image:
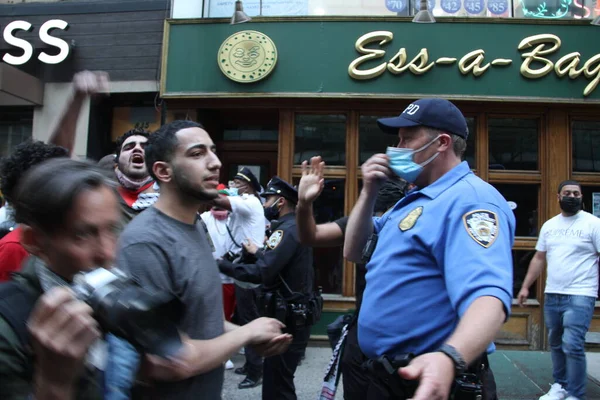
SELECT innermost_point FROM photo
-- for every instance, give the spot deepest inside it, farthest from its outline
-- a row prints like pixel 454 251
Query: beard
pixel 135 174
pixel 192 189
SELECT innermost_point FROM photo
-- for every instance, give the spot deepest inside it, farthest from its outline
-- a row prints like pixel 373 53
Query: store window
pixel 329 261
pixel 554 9
pixel 251 134
pixel 469 155
pixel 372 140
pixel 15 127
pixel 521 260
pixel 513 143
pixel 320 135
pixel 591 199
pixel 586 146
pixel 534 9
pixel 523 200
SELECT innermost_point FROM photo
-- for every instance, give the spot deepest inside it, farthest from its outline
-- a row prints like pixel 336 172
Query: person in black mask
pixel 285 270
pixel 570 244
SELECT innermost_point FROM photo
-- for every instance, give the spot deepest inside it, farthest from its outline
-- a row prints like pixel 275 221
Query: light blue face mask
pixel 403 164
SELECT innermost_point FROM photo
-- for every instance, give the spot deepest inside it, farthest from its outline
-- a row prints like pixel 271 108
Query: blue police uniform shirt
pixel 439 249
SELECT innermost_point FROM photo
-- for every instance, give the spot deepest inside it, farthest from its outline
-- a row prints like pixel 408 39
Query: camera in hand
pixel 242 257
pixel 146 319
pixel 231 256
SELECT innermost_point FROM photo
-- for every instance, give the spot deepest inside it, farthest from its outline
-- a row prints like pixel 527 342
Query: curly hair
pixel 128 134
pixel 24 156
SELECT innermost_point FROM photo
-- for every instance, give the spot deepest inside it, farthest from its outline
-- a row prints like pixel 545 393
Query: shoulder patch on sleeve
pixel 482 226
pixel 275 239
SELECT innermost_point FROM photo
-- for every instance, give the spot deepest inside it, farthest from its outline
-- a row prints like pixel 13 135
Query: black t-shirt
pixel 360 281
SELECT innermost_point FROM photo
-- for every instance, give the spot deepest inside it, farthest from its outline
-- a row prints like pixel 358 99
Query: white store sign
pixel 20 57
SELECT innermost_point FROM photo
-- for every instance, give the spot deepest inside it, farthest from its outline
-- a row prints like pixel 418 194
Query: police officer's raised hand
pixel 312 182
pixel 90 82
pixel 375 172
pixel 62 330
pixel 523 296
pixel 435 372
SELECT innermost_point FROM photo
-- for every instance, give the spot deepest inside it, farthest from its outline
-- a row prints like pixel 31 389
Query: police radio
pixel 369 248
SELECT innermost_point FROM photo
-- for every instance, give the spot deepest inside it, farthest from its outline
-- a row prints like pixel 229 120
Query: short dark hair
pixel 568 182
pixel 459 144
pixel 389 194
pixel 47 191
pixel 128 134
pixel 162 143
pixel 24 156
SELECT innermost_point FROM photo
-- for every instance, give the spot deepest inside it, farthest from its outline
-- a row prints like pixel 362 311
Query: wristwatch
pixel 460 365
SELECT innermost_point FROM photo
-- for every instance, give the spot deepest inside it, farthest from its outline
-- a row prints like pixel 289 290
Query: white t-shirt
pixel 247 220
pixel 572 246
pixel 217 230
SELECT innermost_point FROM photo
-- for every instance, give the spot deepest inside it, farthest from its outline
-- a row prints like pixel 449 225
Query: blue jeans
pixel 121 369
pixel 568 319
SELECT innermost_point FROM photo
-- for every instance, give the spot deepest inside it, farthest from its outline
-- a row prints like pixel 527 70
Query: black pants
pixel 247 311
pixel 354 379
pixel 278 378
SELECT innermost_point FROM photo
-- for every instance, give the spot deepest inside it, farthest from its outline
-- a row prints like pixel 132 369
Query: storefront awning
pixel 18 88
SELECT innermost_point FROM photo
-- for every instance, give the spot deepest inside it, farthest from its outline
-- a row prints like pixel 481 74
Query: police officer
pixel 285 270
pixel 439 283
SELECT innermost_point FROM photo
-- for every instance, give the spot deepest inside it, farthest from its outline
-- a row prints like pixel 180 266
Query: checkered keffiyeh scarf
pixel 144 201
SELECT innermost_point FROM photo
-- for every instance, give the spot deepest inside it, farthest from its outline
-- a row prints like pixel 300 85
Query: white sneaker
pixel 572 398
pixel 556 393
pixel 229 365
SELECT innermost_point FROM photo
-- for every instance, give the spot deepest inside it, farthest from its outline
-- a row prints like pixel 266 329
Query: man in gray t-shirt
pixel 164 253
pixel 166 248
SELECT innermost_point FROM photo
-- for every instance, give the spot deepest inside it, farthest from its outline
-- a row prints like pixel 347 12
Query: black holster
pixel 385 370
pixel 272 305
pixel 470 384
pixel 466 386
pixel 314 307
pixel 294 313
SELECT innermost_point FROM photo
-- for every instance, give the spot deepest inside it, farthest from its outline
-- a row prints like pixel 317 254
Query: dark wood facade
pixel 122 37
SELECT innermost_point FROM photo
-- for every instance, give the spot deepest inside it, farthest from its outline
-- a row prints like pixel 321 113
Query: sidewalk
pixel 593 366
pixel 520 375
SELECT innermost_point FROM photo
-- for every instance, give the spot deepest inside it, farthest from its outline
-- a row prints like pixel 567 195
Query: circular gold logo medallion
pixel 247 56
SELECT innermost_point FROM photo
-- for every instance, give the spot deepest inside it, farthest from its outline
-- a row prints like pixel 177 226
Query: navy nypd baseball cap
pixel 433 113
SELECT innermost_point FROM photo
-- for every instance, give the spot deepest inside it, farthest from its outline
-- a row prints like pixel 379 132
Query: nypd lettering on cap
pixel 482 226
pixel 275 239
pixel 411 109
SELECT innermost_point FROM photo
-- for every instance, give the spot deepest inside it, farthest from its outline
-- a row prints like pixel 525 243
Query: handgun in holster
pixel 467 386
pixel 315 306
pixel 470 384
pixel 272 305
pixel 385 369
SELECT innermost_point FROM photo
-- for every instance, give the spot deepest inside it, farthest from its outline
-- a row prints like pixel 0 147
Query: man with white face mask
pixel 439 283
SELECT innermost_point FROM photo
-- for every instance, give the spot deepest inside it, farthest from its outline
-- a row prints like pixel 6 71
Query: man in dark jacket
pixel 285 270
pixel 69 216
